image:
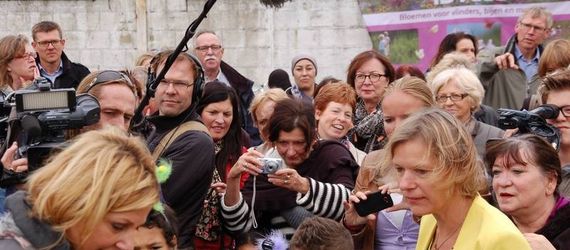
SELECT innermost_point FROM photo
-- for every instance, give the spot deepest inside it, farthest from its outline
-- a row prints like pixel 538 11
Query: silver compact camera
pixel 271 165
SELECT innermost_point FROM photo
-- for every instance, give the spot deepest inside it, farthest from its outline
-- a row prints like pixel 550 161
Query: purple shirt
pixel 390 237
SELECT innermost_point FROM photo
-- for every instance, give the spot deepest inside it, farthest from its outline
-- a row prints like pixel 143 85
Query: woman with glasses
pixel 458 91
pixel 318 177
pixel 369 74
pixel 526 183
pixel 17 63
pixel 555 89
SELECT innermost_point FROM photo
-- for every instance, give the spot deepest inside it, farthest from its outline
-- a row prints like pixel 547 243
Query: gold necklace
pixel 446 239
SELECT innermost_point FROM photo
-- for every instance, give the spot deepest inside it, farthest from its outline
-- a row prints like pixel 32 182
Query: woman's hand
pixel 248 162
pixel 220 188
pixel 392 188
pixel 18 165
pixel 351 218
pixel 289 178
pixel 537 241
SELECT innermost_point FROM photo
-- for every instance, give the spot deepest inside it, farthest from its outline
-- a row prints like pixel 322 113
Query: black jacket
pixel 192 158
pixel 243 87
pixel 18 221
pixel 557 229
pixel 72 75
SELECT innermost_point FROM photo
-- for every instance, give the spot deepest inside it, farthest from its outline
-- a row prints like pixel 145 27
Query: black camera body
pixel 39 117
pixel 533 122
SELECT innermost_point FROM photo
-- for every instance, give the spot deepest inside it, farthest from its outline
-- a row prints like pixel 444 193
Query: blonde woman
pixel 92 195
pixel 387 229
pixel 435 162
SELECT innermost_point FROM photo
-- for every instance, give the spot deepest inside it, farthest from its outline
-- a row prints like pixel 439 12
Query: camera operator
pixel 555 89
pixel 117 98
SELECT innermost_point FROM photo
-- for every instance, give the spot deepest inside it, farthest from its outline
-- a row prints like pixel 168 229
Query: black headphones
pixel 198 80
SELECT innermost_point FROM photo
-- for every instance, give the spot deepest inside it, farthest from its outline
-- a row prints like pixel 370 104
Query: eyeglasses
pixel 374 77
pixel 45 44
pixel 565 110
pixel 110 76
pixel 528 26
pixel 27 55
pixel 214 48
pixel 452 97
pixel 179 84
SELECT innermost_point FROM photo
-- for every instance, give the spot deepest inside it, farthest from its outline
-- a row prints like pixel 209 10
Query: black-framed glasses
pixel 27 55
pixel 374 77
pixel 179 84
pixel 528 26
pixel 565 110
pixel 452 97
pixel 53 43
pixel 214 48
pixel 110 76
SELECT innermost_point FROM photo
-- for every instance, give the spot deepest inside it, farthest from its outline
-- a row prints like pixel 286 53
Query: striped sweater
pixel 323 199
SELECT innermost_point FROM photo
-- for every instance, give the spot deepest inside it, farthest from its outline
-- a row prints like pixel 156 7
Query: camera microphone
pixel 547 111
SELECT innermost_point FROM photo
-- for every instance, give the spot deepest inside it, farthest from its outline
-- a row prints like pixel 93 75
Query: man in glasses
pixel 512 76
pixel 182 139
pixel 52 61
pixel 208 48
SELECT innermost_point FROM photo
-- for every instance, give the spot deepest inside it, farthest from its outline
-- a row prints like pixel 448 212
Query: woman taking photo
pixel 401 99
pixel 319 176
pixel 92 195
pixel 526 174
pixel 369 74
pixel 435 163
pixel 218 109
pixel 334 106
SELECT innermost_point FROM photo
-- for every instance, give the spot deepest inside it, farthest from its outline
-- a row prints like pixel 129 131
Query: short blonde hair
pixel 274 95
pixel 456 166
pixel 465 80
pixel 414 87
pixel 556 55
pixel 100 172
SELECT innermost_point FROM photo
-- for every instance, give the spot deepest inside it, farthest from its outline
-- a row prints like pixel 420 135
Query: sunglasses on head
pixel 109 76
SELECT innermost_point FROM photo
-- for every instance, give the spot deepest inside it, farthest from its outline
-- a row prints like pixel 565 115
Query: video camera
pixel 532 122
pixel 37 118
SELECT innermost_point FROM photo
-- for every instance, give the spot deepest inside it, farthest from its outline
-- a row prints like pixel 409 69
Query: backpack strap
pixel 175 133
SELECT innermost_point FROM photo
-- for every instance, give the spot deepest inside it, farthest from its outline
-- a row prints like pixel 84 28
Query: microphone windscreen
pixel 31 125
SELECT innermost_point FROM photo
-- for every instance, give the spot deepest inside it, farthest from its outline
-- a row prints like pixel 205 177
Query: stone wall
pixel 110 34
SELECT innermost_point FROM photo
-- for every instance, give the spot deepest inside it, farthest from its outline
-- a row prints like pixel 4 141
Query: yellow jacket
pixel 485 227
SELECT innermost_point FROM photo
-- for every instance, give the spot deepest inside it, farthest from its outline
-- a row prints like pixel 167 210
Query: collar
pixel 59 69
pixel 40 234
pixel 519 55
pixel 166 123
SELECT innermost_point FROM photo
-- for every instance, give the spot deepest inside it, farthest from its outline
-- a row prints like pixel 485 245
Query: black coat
pixel 557 229
pixel 243 88
pixel 72 74
pixel 192 157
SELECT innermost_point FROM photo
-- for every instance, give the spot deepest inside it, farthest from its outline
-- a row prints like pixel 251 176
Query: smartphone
pixel 374 202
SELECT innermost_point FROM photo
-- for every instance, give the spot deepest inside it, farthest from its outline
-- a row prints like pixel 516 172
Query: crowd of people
pixel 214 165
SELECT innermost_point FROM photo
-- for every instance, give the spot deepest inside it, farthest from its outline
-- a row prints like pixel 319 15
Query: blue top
pixel 530 67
